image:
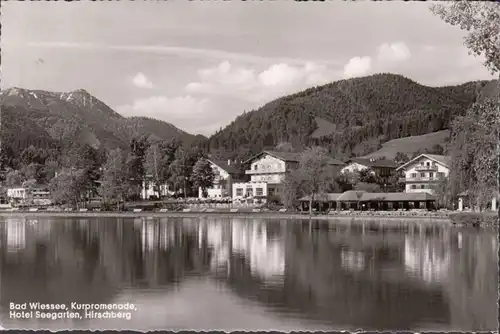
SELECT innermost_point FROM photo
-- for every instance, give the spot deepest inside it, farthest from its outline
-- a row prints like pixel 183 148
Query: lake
pixel 246 274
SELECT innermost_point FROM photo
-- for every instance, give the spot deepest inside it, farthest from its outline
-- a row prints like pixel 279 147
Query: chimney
pixel 229 162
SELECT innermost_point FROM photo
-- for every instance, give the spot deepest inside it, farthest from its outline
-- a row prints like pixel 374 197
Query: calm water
pixel 250 274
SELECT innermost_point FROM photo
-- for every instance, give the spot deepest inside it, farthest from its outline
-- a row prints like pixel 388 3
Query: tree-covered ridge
pixel 48 119
pixel 365 112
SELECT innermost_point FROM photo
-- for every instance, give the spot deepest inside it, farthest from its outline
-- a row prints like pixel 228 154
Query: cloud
pixel 357 66
pixel 197 53
pixel 387 55
pixel 393 52
pixel 185 112
pixel 251 85
pixel 140 80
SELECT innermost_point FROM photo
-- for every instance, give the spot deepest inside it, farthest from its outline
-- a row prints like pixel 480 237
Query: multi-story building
pixel 224 173
pixel 149 190
pixel 267 173
pixel 17 193
pixel 37 195
pixel 381 168
pixel 424 172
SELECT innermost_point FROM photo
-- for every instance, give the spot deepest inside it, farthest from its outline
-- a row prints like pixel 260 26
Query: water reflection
pixel 276 274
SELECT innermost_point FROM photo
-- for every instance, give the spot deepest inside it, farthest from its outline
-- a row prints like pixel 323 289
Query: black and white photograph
pixel 233 165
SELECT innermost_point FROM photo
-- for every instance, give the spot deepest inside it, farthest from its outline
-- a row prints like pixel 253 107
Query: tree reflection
pixel 344 276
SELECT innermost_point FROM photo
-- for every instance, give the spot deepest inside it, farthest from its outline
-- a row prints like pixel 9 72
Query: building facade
pixel 38 195
pixel 223 182
pixel 149 190
pixel 17 193
pixel 381 168
pixel 267 173
pixel 423 173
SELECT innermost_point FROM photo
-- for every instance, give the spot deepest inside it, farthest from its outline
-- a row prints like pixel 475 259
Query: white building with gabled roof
pixel 267 173
pixel 224 172
pixel 424 172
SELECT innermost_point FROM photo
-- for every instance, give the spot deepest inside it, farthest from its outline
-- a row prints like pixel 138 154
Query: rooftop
pixel 442 159
pixel 374 162
pixel 225 166
pixel 363 196
pixel 291 157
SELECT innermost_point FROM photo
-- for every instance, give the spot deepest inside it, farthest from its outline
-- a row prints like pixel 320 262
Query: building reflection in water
pixel 428 258
pixel 16 234
pixel 342 276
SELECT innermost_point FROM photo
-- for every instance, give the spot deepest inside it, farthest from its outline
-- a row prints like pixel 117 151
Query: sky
pixel 200 64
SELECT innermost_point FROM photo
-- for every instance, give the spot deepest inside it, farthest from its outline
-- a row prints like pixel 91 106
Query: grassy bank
pixel 475 218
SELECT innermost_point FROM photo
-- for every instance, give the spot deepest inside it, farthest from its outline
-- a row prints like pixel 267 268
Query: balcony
pixel 426 168
pixel 264 171
pixel 421 179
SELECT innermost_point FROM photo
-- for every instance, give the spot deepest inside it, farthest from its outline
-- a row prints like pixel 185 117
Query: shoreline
pixel 263 215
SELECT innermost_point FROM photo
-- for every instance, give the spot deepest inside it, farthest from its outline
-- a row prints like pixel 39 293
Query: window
pixel 259 191
pixel 431 175
pixel 413 186
pixel 440 174
pixel 249 192
pixel 255 167
pixel 413 174
pixel 239 191
pixel 422 186
pixel 428 164
pixel 421 163
pixel 422 174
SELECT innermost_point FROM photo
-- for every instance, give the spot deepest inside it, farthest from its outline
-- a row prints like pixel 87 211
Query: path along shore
pixel 441 219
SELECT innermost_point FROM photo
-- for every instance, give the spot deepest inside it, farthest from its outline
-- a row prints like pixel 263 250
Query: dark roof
pixel 363 196
pixel 374 163
pixel 223 165
pixel 323 197
pixel 442 159
pixel 290 157
pixel 351 196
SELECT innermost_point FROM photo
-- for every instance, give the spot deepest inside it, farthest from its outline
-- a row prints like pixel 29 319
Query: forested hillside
pixel 356 116
pixel 47 119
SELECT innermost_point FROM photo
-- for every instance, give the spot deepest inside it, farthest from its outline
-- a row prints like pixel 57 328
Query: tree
pixel 366 175
pixel 14 178
pixel 394 182
pixel 314 173
pixel 291 189
pixel 368 187
pixel 6 159
pixel 202 176
pixel 115 184
pixel 481 19
pixel 181 168
pixel 135 162
pixel 443 193
pixel 68 187
pixel 474 146
pixel 474 149
pixel 154 167
pixel 401 158
pixel 344 182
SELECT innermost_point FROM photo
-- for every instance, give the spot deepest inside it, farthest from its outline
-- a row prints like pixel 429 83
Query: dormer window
pixel 255 167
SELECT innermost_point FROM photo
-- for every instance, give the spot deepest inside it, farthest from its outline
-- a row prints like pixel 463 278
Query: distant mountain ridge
pixel 43 118
pixel 350 117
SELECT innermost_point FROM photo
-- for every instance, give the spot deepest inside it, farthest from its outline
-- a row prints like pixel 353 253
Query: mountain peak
pixel 80 97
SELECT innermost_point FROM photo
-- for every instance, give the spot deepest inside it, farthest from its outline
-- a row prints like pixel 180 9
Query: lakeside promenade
pixel 380 216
